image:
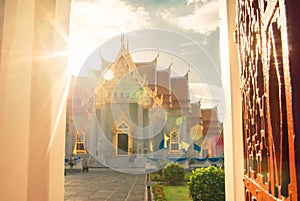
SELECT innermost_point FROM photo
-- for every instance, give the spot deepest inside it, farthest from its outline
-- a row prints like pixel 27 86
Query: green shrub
pixel 158 192
pixel 173 174
pixel 160 166
pixel 207 184
pixel 156 176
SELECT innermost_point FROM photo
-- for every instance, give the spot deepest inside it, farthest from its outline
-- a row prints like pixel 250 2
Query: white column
pixel 141 130
pixel 103 120
pixel 233 141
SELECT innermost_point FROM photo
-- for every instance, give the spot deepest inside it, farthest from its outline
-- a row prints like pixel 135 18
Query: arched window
pixel 174 141
pixel 174 137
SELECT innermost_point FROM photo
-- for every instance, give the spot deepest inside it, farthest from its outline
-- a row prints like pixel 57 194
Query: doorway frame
pixel 117 142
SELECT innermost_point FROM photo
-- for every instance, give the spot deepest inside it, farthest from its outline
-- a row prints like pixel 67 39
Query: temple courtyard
pixel 103 184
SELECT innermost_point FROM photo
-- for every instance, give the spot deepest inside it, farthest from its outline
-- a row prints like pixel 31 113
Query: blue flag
pixel 162 144
pixel 197 147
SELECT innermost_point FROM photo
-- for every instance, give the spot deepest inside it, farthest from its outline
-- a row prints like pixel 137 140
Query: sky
pixel 184 29
pixel 93 22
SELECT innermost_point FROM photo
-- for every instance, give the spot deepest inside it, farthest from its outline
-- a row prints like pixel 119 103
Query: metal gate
pixel 268 127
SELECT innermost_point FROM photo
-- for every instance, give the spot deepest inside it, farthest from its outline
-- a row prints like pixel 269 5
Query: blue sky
pixel 93 22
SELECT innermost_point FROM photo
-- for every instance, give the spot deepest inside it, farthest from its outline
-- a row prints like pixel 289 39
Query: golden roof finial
pixel 171 64
pixel 187 73
pixel 123 49
pixel 122 39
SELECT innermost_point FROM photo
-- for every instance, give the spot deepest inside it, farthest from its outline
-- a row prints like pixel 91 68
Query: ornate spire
pixel 156 58
pixel 122 39
pixel 123 49
pixel 122 42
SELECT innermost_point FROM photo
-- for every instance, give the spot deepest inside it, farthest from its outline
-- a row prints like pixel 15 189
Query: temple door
pixel 122 144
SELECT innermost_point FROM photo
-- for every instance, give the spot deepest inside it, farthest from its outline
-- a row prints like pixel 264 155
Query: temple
pixel 138 109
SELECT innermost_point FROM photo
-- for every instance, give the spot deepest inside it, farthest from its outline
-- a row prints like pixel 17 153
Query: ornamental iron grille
pixel 268 130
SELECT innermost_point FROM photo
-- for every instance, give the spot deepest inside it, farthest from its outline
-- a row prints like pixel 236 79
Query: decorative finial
pixel 122 39
pixel 122 42
pixel 156 57
pixel 199 102
pixel 187 73
pixel 127 44
pixel 171 64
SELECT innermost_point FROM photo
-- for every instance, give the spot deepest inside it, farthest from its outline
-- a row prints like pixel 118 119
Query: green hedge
pixel 158 192
pixel 207 184
pixel 173 174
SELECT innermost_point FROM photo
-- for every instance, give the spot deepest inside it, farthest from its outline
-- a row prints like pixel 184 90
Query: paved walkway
pixel 104 185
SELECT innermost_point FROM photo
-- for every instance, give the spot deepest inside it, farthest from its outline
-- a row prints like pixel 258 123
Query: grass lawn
pixel 177 193
pixel 187 175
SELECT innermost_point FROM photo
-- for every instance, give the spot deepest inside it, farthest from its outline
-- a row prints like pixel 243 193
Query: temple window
pixel 174 140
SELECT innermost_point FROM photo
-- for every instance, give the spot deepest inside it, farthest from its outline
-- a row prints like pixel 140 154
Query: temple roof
pixel 210 114
pixel 172 92
pixel 179 88
pixel 163 79
pixel 195 110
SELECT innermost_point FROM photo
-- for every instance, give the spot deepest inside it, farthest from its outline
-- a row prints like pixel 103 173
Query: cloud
pixel 112 15
pixel 204 19
pixel 94 22
pixel 189 2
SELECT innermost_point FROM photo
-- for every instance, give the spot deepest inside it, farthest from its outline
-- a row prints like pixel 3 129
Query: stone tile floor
pixel 103 184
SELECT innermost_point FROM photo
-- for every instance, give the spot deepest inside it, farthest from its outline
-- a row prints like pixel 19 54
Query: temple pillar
pixel 102 120
pixel 140 145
